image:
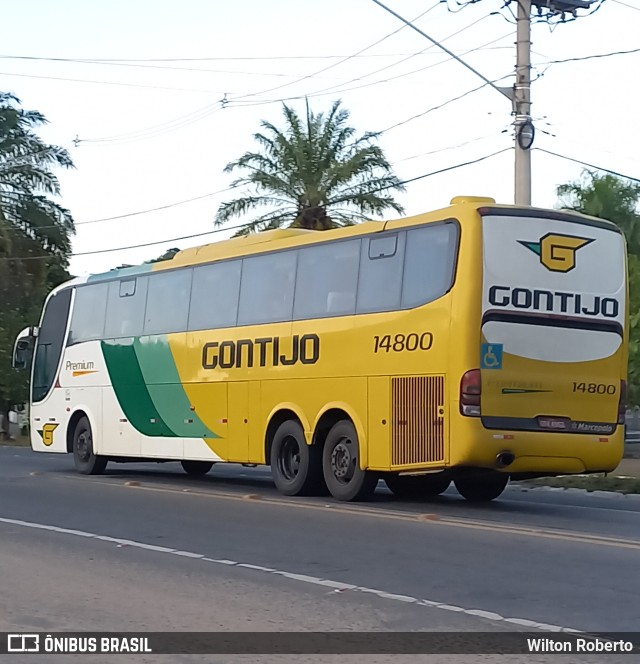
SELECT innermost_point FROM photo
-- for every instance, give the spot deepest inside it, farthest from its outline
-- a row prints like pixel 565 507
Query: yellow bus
pixel 473 344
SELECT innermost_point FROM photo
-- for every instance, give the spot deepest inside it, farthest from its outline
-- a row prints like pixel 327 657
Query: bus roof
pixel 461 207
pixel 289 237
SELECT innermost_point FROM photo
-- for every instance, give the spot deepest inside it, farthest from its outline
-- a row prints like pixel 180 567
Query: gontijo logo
pixel 46 433
pixel 557 252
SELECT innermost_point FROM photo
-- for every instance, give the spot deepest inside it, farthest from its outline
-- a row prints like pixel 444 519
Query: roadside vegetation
pixel 35 235
pixel 613 198
pixel 611 482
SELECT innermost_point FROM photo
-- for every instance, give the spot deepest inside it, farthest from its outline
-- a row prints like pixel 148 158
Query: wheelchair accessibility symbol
pixel 491 356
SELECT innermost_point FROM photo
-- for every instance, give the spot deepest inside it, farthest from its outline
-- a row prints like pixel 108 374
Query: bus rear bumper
pixel 536 453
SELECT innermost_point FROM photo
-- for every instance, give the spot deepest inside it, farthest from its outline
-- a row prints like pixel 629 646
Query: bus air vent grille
pixel 417 420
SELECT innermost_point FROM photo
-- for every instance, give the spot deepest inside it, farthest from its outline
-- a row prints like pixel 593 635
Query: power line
pixel 394 64
pixel 194 117
pixel 156 209
pixel 159 129
pixel 591 57
pixel 210 194
pixel 447 149
pixel 625 4
pixel 439 45
pixel 128 214
pixel 220 58
pixel 189 118
pixel 88 61
pixel 340 62
pixel 585 163
pixel 128 85
pixel 133 246
pixel 439 106
pixel 559 136
pixel 231 228
pixel 451 168
pixel 151 244
pixel 264 102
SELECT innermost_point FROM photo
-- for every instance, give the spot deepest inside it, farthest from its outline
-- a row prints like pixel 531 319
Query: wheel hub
pixel 289 461
pixel 342 461
pixel 83 446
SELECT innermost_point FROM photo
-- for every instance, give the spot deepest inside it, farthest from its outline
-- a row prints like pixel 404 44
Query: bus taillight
pixel 622 403
pixel 470 389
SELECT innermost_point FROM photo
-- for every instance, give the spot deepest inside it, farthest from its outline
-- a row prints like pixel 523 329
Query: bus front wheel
pixel 196 468
pixel 341 465
pixel 417 486
pixel 85 460
pixel 482 488
pixel 295 466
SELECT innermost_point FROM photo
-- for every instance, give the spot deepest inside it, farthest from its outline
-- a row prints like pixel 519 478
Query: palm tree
pixel 314 173
pixel 26 181
pixel 608 197
pixel 616 199
pixel 34 233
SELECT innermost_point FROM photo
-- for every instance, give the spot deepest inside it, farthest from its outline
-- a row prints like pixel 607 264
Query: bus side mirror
pixel 23 348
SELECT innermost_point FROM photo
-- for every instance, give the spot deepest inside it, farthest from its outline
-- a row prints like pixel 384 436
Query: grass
pixel 589 482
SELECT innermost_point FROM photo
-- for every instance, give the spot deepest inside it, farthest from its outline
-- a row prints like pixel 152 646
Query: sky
pixel 141 109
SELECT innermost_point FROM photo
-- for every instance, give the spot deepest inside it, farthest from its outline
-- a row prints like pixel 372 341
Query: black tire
pixel 295 466
pixel 85 460
pixel 417 486
pixel 482 488
pixel 341 465
pixel 196 468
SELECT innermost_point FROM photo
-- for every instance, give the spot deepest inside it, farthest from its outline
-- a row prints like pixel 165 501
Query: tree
pixel 166 256
pixel 26 182
pixel 314 173
pixel 34 233
pixel 608 197
pixel 616 199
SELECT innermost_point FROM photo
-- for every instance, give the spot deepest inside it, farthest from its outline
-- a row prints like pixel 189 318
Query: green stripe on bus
pixel 163 382
pixel 131 391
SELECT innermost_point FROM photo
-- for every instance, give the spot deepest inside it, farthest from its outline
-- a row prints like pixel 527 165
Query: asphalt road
pixel 145 547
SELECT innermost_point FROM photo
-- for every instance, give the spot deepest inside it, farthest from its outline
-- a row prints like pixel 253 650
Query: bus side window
pixel 89 310
pixel 214 295
pixel 381 266
pixel 125 307
pixel 266 290
pixel 341 302
pixel 326 280
pixel 430 263
pixel 168 302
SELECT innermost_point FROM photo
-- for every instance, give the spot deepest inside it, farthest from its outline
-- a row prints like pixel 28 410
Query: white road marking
pixel 302 578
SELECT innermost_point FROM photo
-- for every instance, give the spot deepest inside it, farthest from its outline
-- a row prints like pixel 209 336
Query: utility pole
pixel 524 131
pixel 520 93
pixel 521 96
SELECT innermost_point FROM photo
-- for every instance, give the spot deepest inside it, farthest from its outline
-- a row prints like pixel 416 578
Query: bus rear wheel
pixel 85 460
pixel 482 488
pixel 341 465
pixel 295 466
pixel 196 468
pixel 417 486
